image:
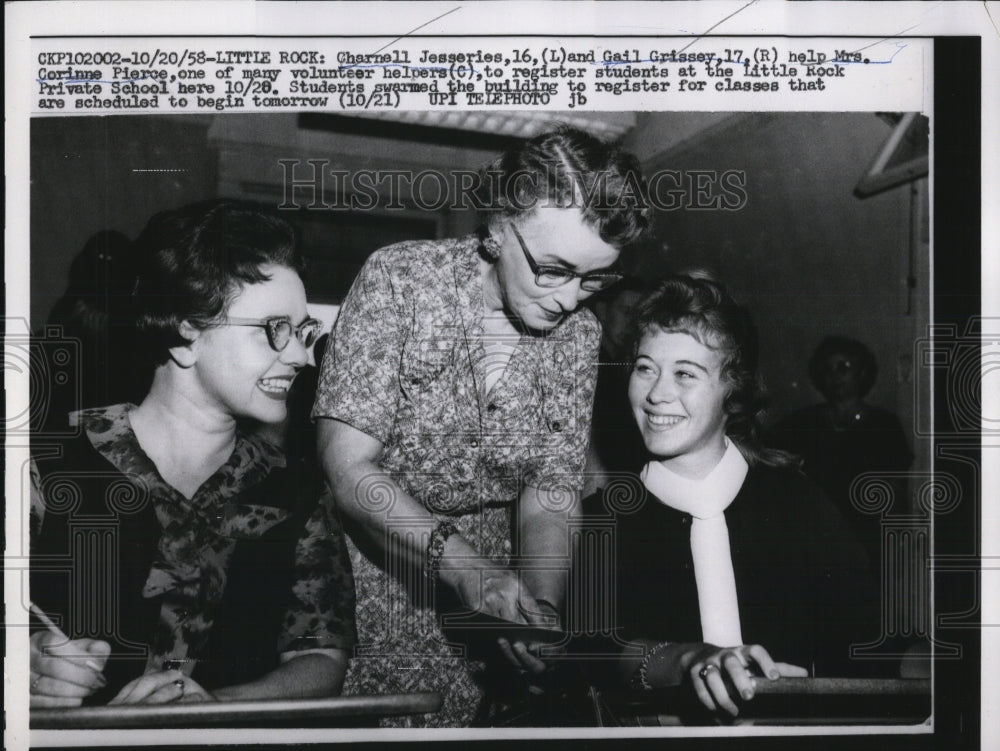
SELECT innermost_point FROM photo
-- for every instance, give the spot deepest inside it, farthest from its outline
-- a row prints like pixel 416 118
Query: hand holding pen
pixel 64 671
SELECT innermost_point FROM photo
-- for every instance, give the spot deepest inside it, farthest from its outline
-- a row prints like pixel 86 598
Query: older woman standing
pixel 456 402
pixel 223 578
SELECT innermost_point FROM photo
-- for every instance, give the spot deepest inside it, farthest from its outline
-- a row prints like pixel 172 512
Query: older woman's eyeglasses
pixel 556 276
pixel 279 330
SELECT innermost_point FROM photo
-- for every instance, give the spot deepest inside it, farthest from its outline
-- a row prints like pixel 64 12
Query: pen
pixel 47 622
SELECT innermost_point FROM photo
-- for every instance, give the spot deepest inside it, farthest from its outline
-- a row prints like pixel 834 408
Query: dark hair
pixel 634 284
pixel 106 265
pixel 101 277
pixel 697 305
pixel 607 297
pixel 565 168
pixel 194 260
pixel 854 350
pixel 96 311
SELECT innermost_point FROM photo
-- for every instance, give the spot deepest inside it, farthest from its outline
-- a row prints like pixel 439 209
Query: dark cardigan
pixel 803 583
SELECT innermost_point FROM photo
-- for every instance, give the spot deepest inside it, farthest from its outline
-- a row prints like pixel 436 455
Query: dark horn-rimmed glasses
pixel 557 276
pixel 280 329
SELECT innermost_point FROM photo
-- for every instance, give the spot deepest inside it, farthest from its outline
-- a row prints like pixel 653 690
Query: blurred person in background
pixel 95 312
pixel 845 437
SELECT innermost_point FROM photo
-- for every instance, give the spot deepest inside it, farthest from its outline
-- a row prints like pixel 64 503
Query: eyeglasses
pixel 556 276
pixel 279 330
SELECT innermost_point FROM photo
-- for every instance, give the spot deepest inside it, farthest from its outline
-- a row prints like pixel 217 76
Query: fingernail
pixel 93 666
pixel 773 675
pixel 747 694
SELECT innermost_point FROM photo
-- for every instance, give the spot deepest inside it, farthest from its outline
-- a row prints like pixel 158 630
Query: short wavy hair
pixel 696 304
pixel 854 350
pixel 569 168
pixel 194 261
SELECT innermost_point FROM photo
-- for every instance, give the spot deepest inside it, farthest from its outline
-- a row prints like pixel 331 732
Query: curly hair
pixel 851 348
pixel 569 168
pixel 194 261
pixel 697 305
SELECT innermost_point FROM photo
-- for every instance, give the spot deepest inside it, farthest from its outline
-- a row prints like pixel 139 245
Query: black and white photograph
pixel 362 423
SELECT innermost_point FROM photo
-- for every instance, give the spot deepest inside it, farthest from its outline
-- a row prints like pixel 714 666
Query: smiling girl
pixel 731 564
pixel 191 565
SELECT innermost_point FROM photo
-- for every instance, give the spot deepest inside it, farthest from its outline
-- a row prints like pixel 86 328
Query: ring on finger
pixel 180 684
pixel 703 673
pixel 35 678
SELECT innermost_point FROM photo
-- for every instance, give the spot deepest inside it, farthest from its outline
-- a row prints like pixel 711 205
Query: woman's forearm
pixel 543 524
pixel 368 495
pixel 303 677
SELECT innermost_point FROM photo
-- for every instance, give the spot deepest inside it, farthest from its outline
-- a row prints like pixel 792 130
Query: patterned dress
pixel 406 366
pixel 218 585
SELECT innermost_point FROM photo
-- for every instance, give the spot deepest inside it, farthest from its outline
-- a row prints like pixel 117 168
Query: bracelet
pixel 547 604
pixel 547 618
pixel 435 547
pixel 641 678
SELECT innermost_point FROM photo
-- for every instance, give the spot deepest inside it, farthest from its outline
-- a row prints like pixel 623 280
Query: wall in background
pixel 113 173
pixel 106 173
pixel 809 257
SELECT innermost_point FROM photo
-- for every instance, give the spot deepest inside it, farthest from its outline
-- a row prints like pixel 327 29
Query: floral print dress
pixel 406 366
pixel 218 585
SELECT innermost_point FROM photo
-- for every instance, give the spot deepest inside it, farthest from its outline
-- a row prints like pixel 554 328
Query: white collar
pixel 702 498
pixel 706 500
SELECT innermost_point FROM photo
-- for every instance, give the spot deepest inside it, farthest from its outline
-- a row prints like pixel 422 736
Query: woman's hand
pixel 496 592
pixel 500 593
pixel 63 673
pixel 524 655
pixel 162 687
pixel 721 674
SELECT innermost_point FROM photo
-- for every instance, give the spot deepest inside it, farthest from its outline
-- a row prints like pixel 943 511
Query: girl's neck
pixel 185 441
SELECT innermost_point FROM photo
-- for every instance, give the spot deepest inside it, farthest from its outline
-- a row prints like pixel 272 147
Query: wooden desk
pixel 338 712
pixel 787 701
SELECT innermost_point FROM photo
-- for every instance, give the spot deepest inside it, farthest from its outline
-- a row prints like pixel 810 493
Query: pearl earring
pixel 491 247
